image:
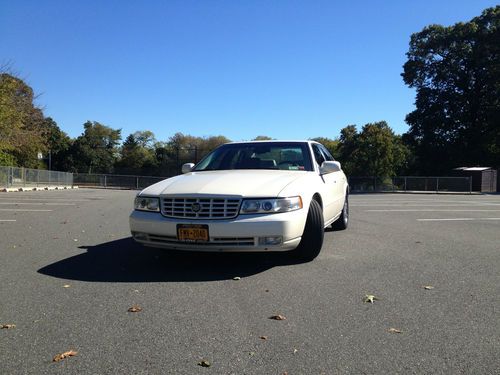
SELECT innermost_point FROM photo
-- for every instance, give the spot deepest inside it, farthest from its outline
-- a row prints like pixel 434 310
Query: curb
pixel 38 188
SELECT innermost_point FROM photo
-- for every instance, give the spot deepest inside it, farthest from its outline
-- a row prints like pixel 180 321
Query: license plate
pixel 192 232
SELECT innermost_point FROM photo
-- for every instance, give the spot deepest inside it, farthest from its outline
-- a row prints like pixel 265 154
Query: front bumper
pixel 240 234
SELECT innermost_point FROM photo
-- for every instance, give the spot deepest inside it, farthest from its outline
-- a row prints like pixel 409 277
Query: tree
pixel 375 151
pixel 20 123
pixel 137 154
pixel 57 143
pixel 456 73
pixel 95 151
pixel 262 138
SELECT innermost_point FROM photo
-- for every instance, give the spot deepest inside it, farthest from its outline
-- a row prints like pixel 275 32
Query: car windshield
pixel 290 156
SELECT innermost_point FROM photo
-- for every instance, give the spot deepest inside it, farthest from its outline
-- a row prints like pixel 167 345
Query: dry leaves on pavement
pixel 278 317
pixel 263 337
pixel 428 287
pixel 60 357
pixel 394 330
pixel 7 326
pixel 370 298
pixel 135 308
pixel 204 363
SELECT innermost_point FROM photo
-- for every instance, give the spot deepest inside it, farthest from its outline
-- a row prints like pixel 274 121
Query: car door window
pixel 326 153
pixel 318 155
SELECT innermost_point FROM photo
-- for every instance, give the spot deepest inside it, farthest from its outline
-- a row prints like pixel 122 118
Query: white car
pixel 247 196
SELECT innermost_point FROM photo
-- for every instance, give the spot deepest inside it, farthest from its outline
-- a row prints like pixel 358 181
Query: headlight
pixel 147 204
pixel 270 206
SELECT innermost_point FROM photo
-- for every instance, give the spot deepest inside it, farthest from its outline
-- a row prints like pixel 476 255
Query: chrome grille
pixel 204 208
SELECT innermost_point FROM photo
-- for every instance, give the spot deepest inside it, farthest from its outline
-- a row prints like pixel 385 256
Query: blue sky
pixel 287 69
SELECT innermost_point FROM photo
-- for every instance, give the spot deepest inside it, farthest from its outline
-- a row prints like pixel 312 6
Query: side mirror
pixel 186 168
pixel 330 167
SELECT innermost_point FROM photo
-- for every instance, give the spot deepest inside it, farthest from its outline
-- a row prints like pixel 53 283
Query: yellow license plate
pixel 192 232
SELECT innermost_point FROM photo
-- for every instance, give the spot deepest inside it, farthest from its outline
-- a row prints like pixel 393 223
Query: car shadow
pixel 124 260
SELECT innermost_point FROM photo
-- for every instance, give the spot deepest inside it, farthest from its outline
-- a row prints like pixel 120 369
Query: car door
pixel 329 185
pixel 340 182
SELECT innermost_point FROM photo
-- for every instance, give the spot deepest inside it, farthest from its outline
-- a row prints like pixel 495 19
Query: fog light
pixel 272 240
pixel 140 236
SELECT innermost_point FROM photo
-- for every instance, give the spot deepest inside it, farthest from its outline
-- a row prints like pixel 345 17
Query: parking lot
pixel 69 272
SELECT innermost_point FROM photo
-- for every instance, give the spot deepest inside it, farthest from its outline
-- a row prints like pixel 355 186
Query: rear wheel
pixel 312 238
pixel 343 221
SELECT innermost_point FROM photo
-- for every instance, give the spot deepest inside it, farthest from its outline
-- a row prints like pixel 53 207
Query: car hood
pixel 240 183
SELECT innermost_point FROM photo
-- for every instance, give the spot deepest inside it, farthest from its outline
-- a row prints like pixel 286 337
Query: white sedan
pixel 247 196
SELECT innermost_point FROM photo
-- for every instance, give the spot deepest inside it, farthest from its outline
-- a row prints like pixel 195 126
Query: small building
pixel 484 179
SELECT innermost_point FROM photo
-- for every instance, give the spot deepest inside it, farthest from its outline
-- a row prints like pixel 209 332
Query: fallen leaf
pixel 251 354
pixel 295 351
pixel 236 278
pixel 135 308
pixel 263 337
pixel 394 330
pixel 278 317
pixel 76 240
pixel 60 357
pixel 428 287
pixel 204 363
pixel 7 326
pixel 66 286
pixel 370 298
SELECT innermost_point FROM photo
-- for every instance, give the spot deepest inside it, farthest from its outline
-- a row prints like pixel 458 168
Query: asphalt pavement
pixel 69 272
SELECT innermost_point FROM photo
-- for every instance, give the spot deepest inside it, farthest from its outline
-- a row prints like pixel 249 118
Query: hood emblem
pixel 196 207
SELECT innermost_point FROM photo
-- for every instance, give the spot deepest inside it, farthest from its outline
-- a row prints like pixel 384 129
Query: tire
pixel 343 221
pixel 312 238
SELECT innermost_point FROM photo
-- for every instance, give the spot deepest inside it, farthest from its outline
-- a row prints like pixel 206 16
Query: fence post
pixel 470 185
pixel 405 184
pixel 137 182
pixel 37 177
pixel 437 184
pixel 105 182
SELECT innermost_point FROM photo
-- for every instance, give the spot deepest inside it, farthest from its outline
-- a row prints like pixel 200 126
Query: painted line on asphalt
pixel 47 199
pixel 37 204
pixel 23 210
pixel 462 219
pixel 9 220
pixel 423 205
pixel 431 210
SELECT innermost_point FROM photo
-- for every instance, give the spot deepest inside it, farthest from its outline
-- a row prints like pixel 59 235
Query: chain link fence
pixel 114 181
pixel 410 183
pixel 14 177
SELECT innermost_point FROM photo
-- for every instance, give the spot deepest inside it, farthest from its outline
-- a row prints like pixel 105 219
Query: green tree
pixel 95 151
pixel 137 154
pixel 57 143
pixel 262 138
pixel 20 123
pixel 455 71
pixel 375 151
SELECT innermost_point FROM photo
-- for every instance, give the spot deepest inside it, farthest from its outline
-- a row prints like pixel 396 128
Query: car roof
pixel 273 141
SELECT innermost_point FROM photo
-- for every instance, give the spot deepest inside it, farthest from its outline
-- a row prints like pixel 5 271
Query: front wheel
pixel 312 238
pixel 343 221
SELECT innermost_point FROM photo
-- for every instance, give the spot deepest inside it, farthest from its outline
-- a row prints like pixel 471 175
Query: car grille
pixel 200 208
pixel 214 241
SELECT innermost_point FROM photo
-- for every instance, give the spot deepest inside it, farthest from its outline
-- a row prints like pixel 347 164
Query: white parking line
pixel 2 220
pixel 37 204
pixel 462 219
pixel 23 210
pixel 47 199
pixel 431 210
